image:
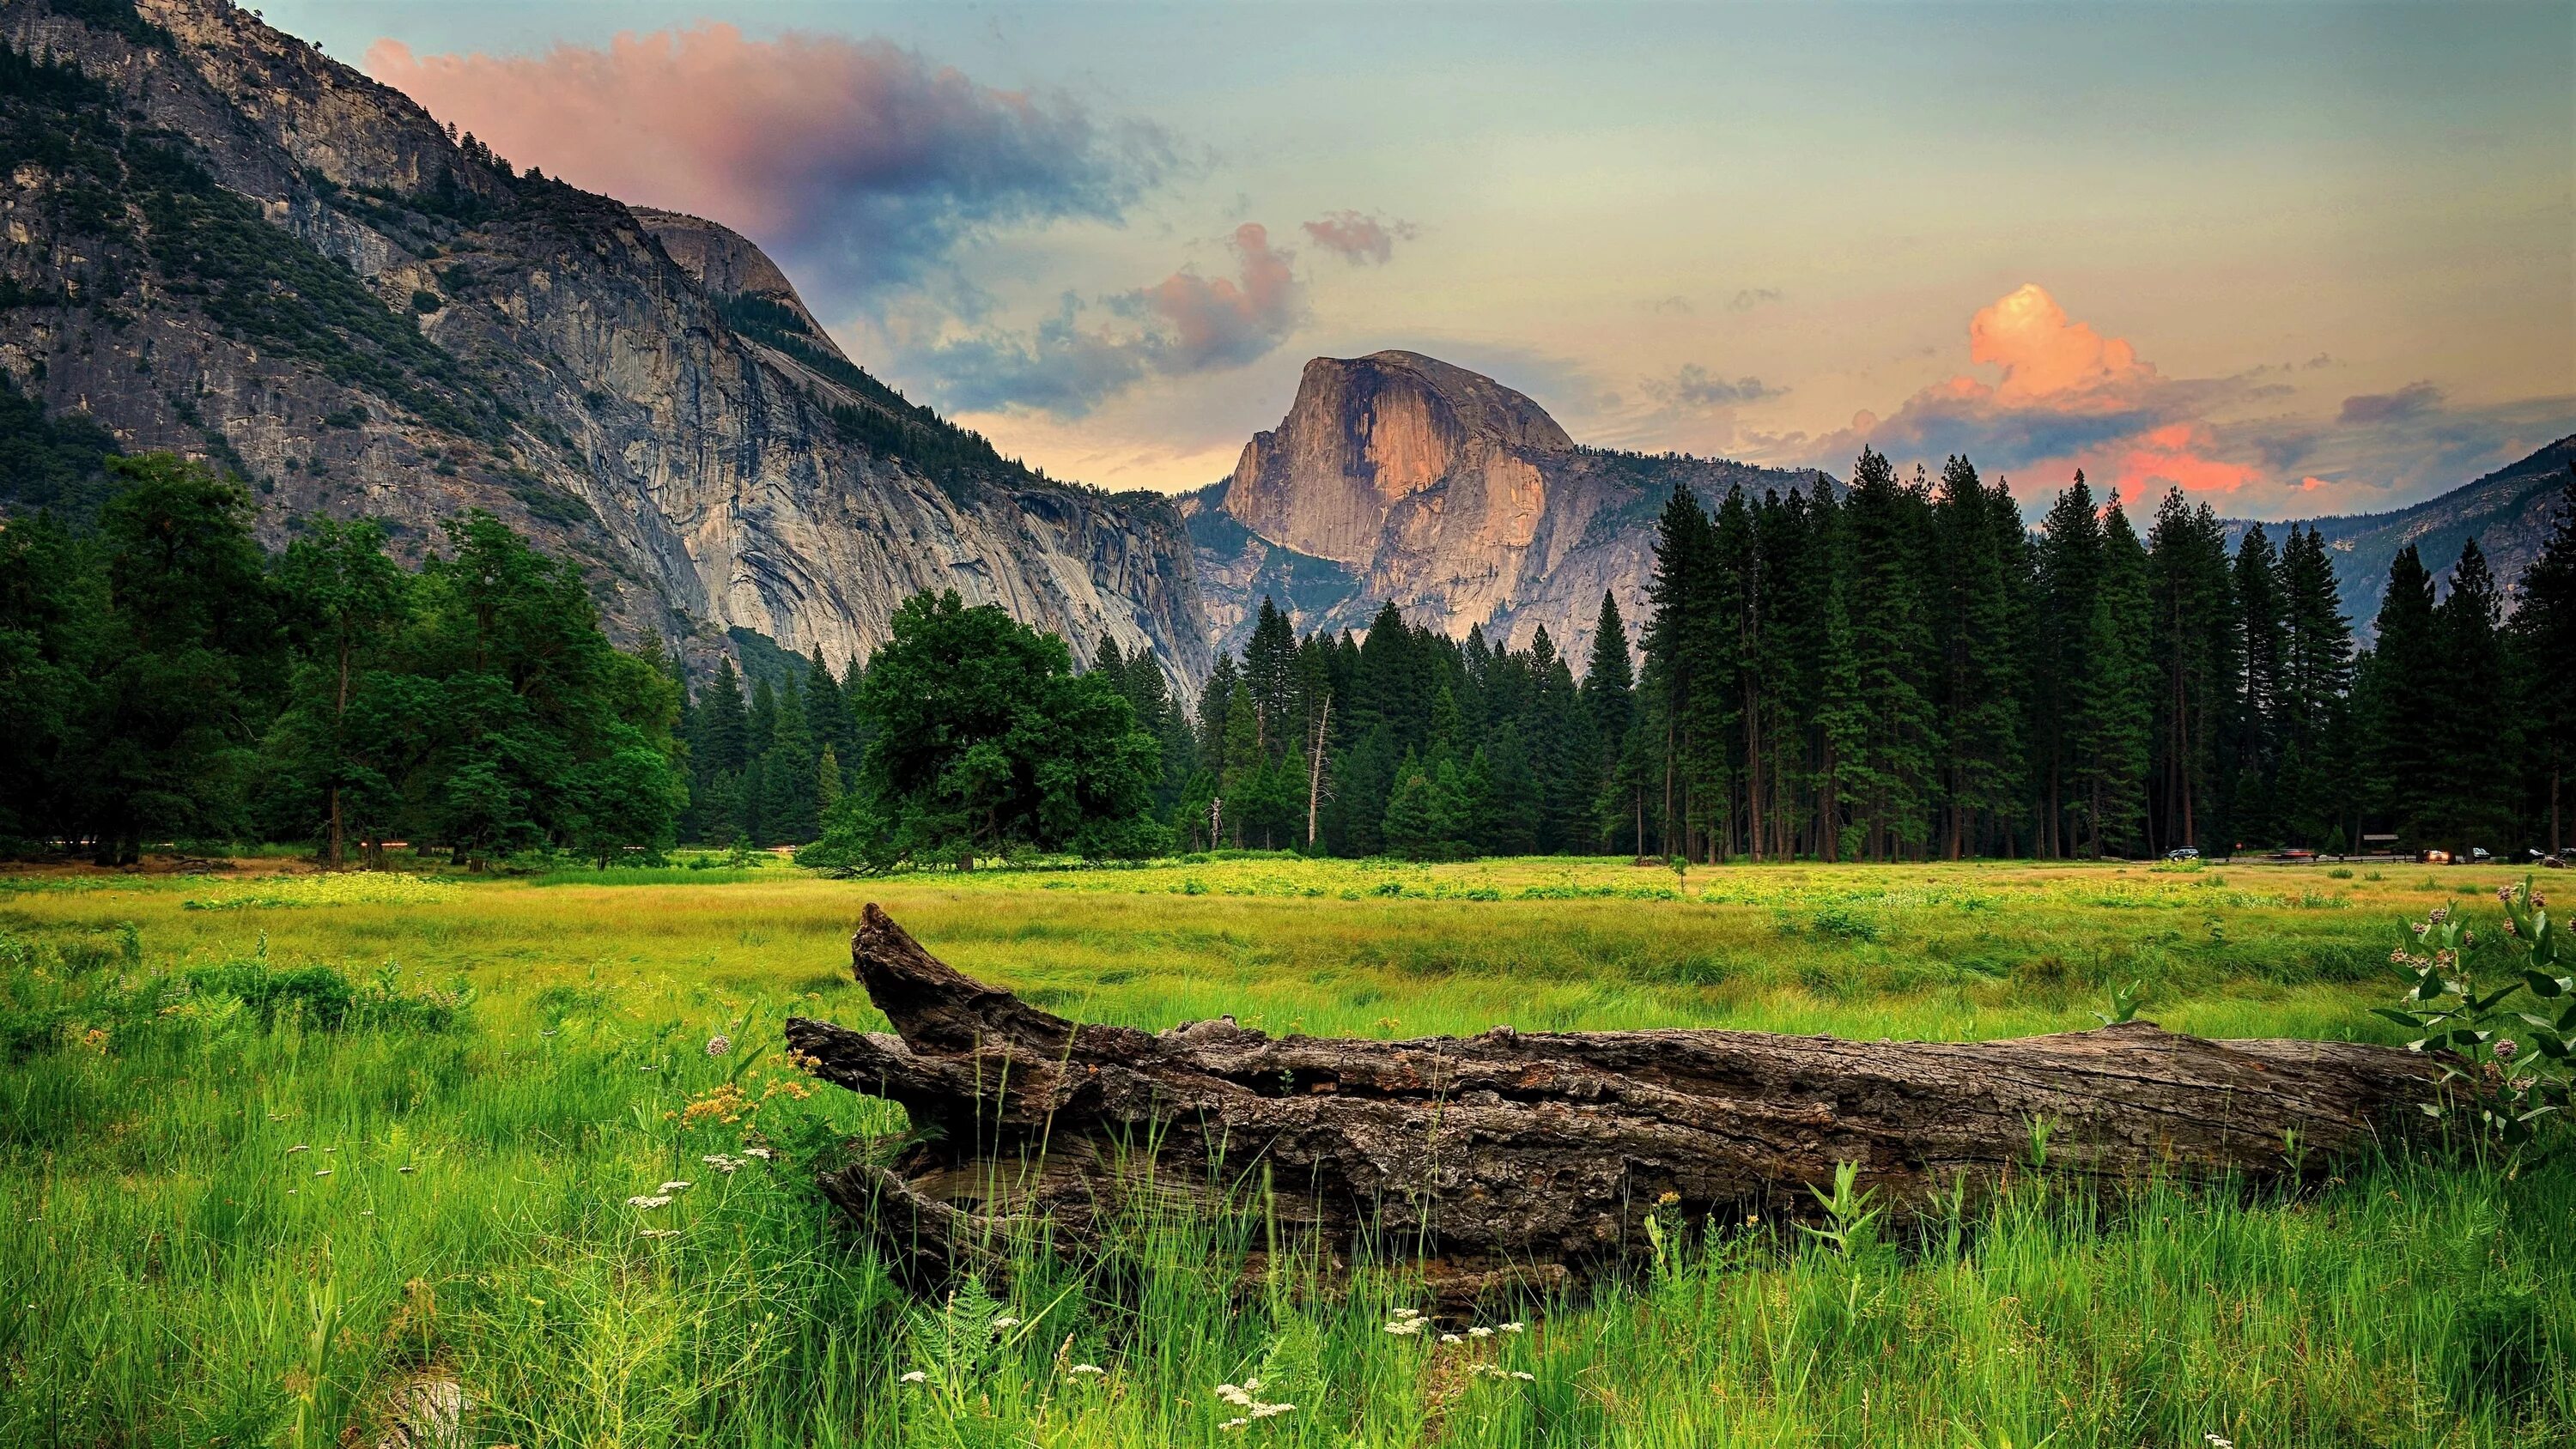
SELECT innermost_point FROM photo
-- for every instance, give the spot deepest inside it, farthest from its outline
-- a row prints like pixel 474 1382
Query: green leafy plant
pixel 2506 1031
pixel 2125 1001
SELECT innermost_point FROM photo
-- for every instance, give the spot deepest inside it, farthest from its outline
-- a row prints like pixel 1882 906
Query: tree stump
pixel 1531 1159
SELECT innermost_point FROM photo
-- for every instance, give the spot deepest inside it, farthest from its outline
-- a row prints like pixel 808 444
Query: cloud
pixel 2408 401
pixel 2065 396
pixel 1358 238
pixel 1692 388
pixel 1187 323
pixel 1752 297
pixel 864 162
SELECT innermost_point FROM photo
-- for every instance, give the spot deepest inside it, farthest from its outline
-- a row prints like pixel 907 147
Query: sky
pixel 2295 258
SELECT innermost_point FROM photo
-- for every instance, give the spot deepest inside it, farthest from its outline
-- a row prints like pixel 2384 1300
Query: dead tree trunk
pixel 1533 1159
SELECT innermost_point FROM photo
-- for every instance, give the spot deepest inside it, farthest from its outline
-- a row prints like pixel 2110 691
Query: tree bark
pixel 1529 1159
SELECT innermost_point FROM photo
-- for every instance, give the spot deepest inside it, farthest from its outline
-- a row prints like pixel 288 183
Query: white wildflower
pixel 914 1377
pixel 1451 1338
pixel 648 1201
pixel 325 1172
pixel 719 1044
pixel 673 1187
pixel 1235 1395
pixel 1234 1423
pixel 1480 1331
pixel 722 1163
pixel 1404 1327
pixel 1515 1326
pixel 1087 1368
pixel 2216 1442
pixel 1264 1411
pixel 1001 1323
pixel 1527 1378
pixel 659 1233
pixel 763 1153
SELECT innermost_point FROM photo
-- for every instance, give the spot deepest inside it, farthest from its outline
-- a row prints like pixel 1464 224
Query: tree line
pixel 1901 670
pixel 164 679
pixel 1897 670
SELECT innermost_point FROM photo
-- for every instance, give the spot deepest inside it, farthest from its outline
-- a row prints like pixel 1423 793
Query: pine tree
pixel 2252 749
pixel 2114 704
pixel 2192 642
pixel 1270 673
pixel 2315 714
pixel 1892 648
pixel 1408 829
pixel 2404 694
pixel 2068 563
pixel 2542 645
pixel 2476 785
pixel 1979 683
pixel 1609 698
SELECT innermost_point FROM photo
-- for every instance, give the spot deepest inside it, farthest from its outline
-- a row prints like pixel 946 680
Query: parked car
pixel 2433 857
pixel 2182 852
pixel 2295 856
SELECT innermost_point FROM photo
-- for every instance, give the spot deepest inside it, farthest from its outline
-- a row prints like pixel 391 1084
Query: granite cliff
pixel 219 241
pixel 1400 478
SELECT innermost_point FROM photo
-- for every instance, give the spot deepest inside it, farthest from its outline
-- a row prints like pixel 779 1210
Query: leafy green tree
pixel 344 599
pixel 984 740
pixel 193 663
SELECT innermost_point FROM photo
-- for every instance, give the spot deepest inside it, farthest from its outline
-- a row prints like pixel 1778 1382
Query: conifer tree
pixel 2404 692
pixel 1892 648
pixel 2252 750
pixel 1979 682
pixel 2542 646
pixel 2113 707
pixel 2476 785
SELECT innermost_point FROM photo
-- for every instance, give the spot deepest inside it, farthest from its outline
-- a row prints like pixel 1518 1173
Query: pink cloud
pixel 2175 456
pixel 2047 355
pixel 1218 320
pixel 1357 237
pixel 2066 397
pixel 865 156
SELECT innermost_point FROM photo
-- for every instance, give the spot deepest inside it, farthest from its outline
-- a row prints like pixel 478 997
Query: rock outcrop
pixel 1400 478
pixel 217 240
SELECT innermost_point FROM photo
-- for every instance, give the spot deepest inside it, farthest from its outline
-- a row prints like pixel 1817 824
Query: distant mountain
pixel 217 240
pixel 2509 512
pixel 1400 478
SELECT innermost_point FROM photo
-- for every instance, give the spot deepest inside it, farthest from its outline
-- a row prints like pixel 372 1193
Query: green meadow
pixel 305 1160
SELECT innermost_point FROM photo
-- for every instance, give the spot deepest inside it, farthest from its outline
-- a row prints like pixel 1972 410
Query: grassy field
pixel 249 1202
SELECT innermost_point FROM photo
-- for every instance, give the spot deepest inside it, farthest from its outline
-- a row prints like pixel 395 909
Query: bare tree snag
pixel 1529 1158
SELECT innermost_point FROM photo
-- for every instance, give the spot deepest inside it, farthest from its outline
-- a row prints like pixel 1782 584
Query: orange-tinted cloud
pixel 2047 355
pixel 2176 456
pixel 2067 397
pixel 864 160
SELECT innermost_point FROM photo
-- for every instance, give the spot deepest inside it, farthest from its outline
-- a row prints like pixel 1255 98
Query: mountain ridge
pixel 2509 511
pixel 220 242
pixel 1398 478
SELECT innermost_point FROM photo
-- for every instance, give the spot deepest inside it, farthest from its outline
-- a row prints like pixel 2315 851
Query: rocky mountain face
pixel 1398 477
pixel 218 241
pixel 2510 512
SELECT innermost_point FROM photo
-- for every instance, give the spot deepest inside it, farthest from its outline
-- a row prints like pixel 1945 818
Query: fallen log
pixel 1530 1158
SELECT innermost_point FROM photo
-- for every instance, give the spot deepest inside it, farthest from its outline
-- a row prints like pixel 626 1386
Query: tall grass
pixel 229 1221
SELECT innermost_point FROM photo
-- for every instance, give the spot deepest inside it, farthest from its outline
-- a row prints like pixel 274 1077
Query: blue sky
pixel 2299 258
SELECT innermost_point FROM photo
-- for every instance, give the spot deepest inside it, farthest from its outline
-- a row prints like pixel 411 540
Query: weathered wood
pixel 1531 1157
